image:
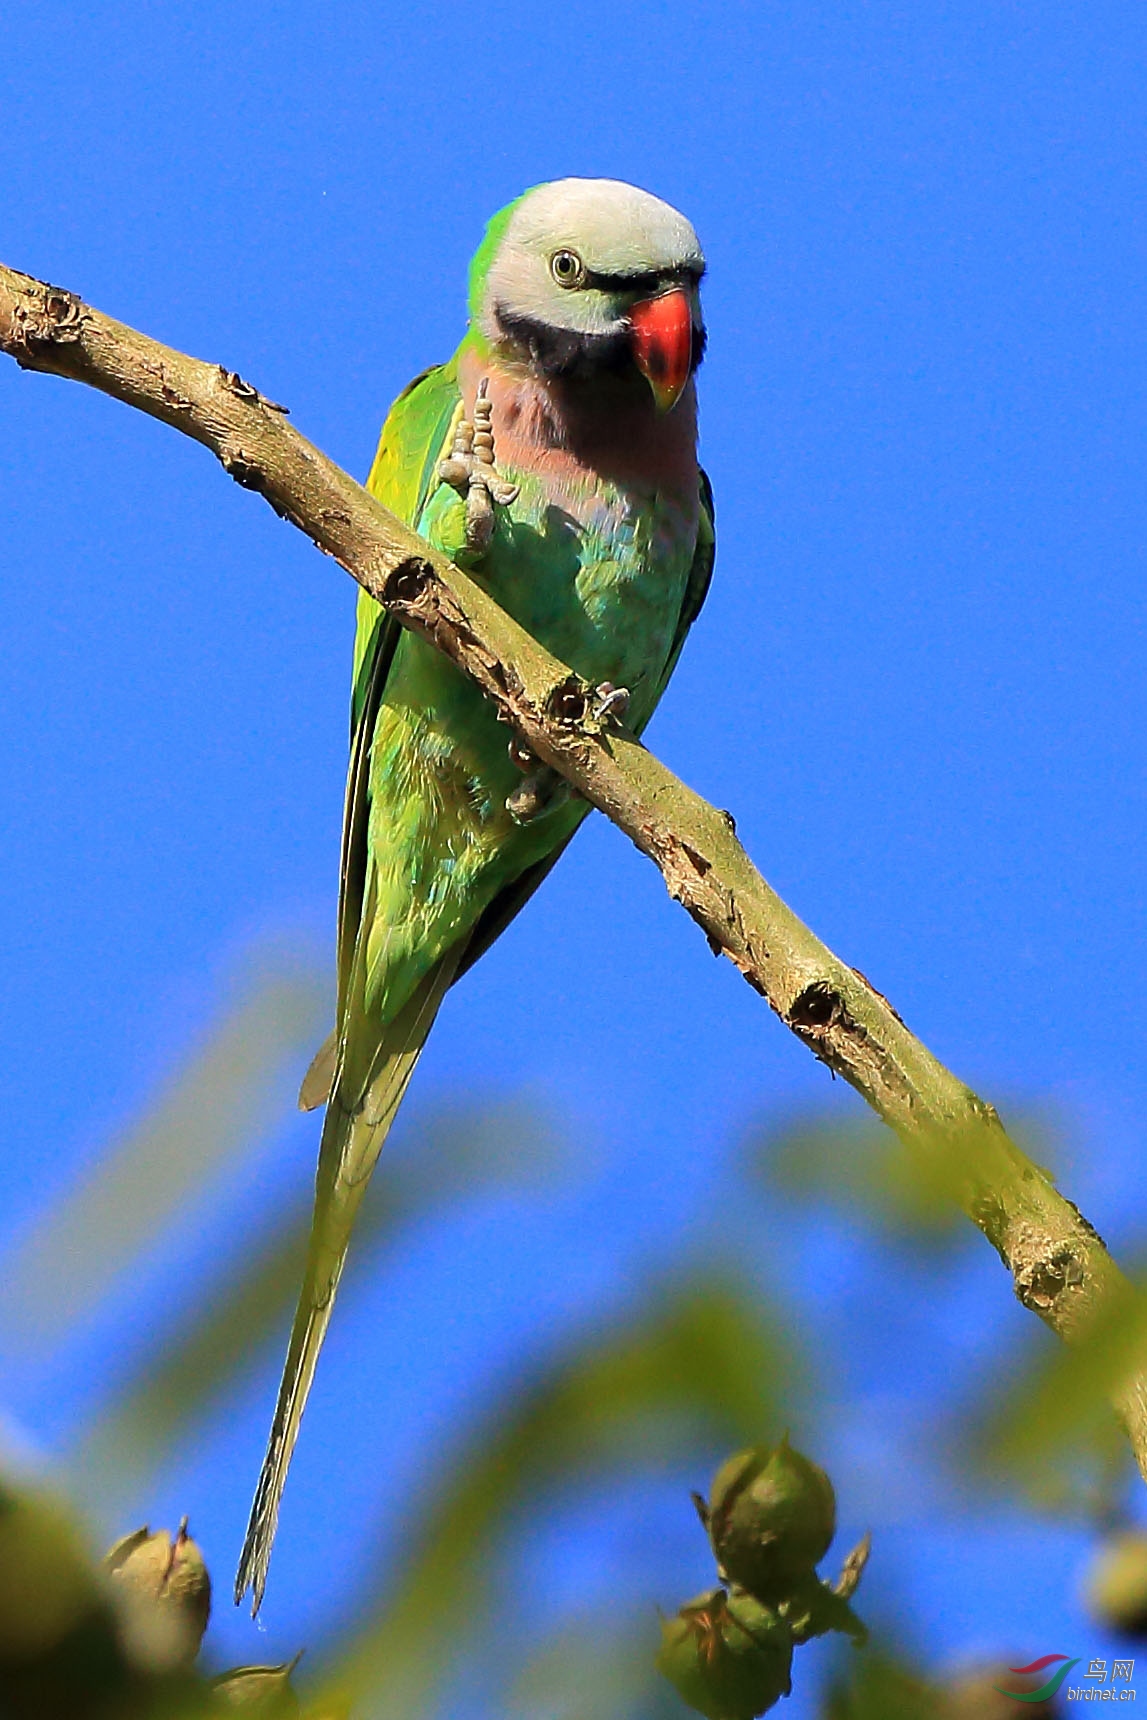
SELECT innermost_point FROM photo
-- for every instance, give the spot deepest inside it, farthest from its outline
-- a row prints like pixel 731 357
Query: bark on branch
pixel 1060 1268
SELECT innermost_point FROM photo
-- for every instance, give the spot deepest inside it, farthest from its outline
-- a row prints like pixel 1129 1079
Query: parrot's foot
pixel 540 788
pixel 610 701
pixel 470 470
pixel 540 791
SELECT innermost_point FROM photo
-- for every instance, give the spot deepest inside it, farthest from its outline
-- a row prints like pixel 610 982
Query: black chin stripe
pixel 564 351
pixel 568 352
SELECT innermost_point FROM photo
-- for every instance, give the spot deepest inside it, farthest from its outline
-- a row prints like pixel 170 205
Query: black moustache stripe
pixel 565 351
pixel 568 352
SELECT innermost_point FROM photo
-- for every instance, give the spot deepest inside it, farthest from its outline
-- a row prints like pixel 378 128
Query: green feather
pixel 488 250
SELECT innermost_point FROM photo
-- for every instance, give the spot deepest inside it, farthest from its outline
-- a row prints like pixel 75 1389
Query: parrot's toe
pixel 610 702
pixel 539 791
pixel 470 469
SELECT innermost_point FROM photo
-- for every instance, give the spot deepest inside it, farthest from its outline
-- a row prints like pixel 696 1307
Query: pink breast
pixel 573 436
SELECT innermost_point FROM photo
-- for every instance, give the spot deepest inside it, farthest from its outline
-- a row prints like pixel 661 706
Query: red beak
pixel 662 335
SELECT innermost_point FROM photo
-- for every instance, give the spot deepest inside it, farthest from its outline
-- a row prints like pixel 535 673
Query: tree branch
pixel 1059 1266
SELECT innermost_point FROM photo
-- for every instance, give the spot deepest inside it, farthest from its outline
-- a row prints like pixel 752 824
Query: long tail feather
pixel 351 1143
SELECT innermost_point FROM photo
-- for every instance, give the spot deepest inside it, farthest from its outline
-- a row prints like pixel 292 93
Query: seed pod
pixel 259 1692
pixel 164 1593
pixel 772 1517
pixel 727 1655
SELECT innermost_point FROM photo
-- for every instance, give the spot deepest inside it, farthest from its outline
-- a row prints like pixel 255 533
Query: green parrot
pixel 555 456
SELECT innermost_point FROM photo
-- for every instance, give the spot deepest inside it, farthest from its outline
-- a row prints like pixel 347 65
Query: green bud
pixel 260 1692
pixel 1117 1584
pixel 772 1517
pixel 727 1655
pixel 164 1594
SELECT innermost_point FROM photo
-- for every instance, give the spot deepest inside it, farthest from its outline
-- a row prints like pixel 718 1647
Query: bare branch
pixel 1060 1267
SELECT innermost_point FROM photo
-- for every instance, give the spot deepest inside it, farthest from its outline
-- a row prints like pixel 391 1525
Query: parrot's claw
pixel 540 789
pixel 469 469
pixel 521 755
pixel 541 786
pixel 610 702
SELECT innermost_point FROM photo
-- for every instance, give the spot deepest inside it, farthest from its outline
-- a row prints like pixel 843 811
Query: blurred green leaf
pixel 596 1668
pixel 211 1113
pixel 1116 1584
pixel 916 1191
pixel 861 1168
pixel 1051 1422
pixel 196 1363
pixel 873 1685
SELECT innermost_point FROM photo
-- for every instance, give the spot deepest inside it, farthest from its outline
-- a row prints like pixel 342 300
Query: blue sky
pixel 917 681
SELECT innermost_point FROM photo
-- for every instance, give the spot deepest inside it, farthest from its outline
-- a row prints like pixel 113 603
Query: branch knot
pixel 817 1008
pixel 234 384
pixel 49 316
pixel 408 582
pixel 1040 1283
pixel 244 471
pixel 569 701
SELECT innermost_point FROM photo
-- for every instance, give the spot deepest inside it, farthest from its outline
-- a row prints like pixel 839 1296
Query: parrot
pixel 555 458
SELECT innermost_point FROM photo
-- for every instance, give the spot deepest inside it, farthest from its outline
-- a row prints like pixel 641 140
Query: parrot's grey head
pixel 586 275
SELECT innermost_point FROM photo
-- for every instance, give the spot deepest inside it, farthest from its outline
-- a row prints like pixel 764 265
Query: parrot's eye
pixel 567 268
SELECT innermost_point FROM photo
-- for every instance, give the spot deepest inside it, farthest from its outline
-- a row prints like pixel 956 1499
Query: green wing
pixel 402 476
pixel 416 430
